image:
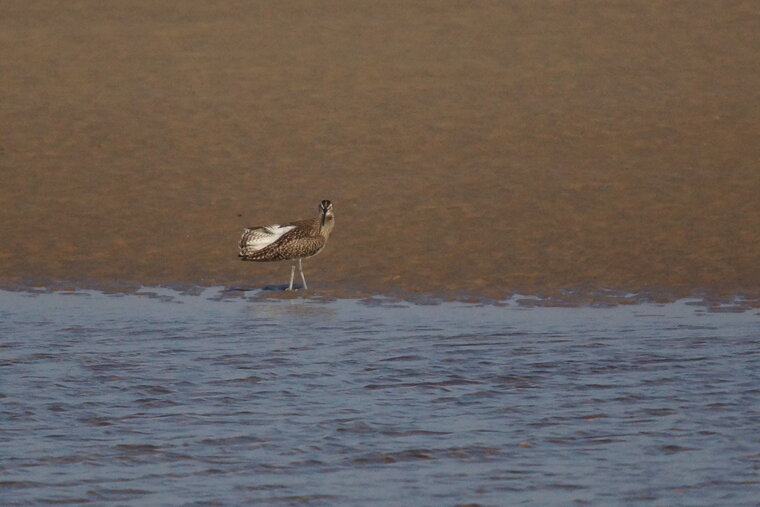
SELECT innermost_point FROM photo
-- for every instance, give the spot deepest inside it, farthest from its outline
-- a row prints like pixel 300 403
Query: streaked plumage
pixel 293 241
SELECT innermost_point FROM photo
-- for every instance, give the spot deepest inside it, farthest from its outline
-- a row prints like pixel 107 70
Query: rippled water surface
pixel 168 398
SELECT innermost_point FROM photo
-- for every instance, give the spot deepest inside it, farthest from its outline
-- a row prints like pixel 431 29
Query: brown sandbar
pixel 472 148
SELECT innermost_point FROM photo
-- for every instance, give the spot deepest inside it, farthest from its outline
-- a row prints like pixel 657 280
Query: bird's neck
pixel 325 225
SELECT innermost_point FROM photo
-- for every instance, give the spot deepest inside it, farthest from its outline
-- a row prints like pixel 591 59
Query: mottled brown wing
pixel 295 244
pixel 258 239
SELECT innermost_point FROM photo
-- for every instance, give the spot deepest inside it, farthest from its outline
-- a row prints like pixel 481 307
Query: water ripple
pixel 166 398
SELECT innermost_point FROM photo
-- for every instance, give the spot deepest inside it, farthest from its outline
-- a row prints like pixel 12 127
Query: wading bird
pixel 294 241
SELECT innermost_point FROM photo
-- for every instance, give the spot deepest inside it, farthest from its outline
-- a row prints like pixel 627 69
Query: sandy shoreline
pixel 470 150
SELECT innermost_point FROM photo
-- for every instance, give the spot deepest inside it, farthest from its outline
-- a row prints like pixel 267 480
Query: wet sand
pixel 469 148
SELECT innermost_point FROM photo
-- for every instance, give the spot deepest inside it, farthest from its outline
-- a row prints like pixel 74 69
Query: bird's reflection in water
pixel 292 308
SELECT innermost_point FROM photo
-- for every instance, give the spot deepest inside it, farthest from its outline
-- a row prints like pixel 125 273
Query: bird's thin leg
pixel 303 278
pixel 292 273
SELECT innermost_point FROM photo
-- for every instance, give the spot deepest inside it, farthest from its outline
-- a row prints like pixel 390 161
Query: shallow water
pixel 164 398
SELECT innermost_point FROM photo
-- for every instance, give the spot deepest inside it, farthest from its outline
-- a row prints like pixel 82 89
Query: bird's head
pixel 326 212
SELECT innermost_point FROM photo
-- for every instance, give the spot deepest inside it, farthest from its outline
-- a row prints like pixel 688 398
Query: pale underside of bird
pixel 294 241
